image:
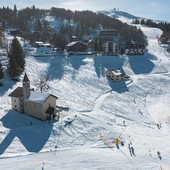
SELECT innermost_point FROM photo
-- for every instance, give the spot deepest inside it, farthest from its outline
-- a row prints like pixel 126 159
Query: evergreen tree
pixel 38 26
pixel 33 7
pixel 1 72
pixel 58 41
pixel 143 22
pixel 13 70
pixel 122 51
pixel 96 45
pixel 136 21
pixel 16 56
pixel 15 9
pixel 100 46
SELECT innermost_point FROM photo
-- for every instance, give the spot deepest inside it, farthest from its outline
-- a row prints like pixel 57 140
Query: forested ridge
pixel 32 22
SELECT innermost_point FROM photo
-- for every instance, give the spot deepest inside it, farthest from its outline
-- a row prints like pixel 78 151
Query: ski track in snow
pixel 101 106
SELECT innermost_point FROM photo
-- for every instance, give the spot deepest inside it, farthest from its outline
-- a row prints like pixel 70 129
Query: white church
pixel 36 104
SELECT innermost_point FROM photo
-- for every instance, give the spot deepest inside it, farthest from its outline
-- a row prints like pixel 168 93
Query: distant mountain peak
pixel 117 14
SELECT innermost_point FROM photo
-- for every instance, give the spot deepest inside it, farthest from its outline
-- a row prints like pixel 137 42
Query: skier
pixel 130 149
pixel 124 123
pixel 139 111
pixel 160 125
pixel 159 155
pixel 122 143
pixel 43 166
pixel 31 123
pixel 117 142
pixel 149 152
pixel 133 152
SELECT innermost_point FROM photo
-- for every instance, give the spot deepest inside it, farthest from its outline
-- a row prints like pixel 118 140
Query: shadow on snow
pixel 141 64
pixel 33 137
pixel 57 65
pixel 104 63
pixel 77 61
pixel 6 85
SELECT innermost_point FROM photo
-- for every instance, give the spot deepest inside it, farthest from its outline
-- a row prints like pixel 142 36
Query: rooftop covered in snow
pixel 72 43
pixel 39 97
pixel 116 72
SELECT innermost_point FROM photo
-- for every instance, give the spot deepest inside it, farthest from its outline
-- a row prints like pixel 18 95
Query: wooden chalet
pixel 16 32
pixel 116 75
pixel 76 46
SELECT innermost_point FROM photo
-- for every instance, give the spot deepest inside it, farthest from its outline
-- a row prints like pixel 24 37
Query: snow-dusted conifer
pixel 16 56
pixel 1 72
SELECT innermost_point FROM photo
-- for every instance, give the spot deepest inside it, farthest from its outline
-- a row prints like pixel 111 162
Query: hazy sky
pixel 153 9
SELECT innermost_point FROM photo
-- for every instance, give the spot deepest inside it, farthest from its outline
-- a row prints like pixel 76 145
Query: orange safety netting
pixel 106 141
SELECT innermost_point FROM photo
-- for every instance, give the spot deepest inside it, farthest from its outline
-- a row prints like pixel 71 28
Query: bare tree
pixel 6 43
pixel 42 82
pixel 168 48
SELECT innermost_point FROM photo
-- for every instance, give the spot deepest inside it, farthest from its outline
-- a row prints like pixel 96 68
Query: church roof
pixel 39 97
pixel 18 92
pixel 25 79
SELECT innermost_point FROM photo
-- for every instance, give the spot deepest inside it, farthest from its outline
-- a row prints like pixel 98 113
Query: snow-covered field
pixel 98 106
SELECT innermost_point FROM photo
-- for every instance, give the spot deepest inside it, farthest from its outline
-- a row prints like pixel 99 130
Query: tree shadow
pixel 6 85
pixel 33 137
pixel 56 66
pixel 77 61
pixel 141 64
pixel 104 63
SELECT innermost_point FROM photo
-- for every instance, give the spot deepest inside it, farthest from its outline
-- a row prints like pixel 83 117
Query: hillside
pixel 118 14
pixel 58 25
pixel 128 18
pixel 95 103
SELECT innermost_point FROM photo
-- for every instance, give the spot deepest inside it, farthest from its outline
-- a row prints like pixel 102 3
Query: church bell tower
pixel 26 87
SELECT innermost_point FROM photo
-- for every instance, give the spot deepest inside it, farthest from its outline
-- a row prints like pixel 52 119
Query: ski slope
pixel 98 106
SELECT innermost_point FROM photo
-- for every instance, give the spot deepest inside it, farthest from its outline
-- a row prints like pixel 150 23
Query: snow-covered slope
pixel 121 15
pixel 97 106
pixel 118 14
